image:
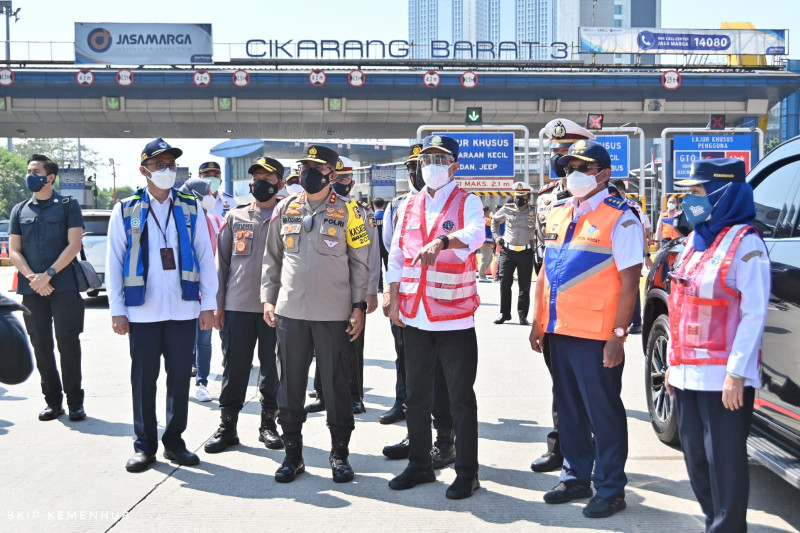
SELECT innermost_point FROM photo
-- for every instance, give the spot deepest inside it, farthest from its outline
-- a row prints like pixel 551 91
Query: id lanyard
pixel 167 253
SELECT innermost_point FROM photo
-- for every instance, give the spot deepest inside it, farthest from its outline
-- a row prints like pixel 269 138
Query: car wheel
pixel 92 294
pixel 659 402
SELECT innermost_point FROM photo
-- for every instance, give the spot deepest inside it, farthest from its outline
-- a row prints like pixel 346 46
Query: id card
pixel 168 259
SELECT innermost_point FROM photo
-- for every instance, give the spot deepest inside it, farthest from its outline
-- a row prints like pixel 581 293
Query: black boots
pixel 443 452
pixel 226 434
pixel 340 466
pixel 293 462
pixel 268 432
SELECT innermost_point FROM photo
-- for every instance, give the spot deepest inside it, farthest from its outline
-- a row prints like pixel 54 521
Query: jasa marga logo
pixel 99 40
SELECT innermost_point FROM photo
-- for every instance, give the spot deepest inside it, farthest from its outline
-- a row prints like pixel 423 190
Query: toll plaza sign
pixel 689 148
pixel 484 155
pixel 618 149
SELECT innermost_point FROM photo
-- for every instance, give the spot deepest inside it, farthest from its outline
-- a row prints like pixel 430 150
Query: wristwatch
pixel 51 272
pixel 621 333
pixel 360 305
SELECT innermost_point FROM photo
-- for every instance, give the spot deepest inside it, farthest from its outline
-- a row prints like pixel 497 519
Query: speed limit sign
pixel 469 80
pixel 6 77
pixel 356 78
pixel 241 78
pixel 431 79
pixel 671 79
pixel 202 78
pixel 85 77
pixel 317 78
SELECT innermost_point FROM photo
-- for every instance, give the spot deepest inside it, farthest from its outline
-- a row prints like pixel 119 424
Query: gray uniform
pixel 520 225
pixel 313 278
pixel 545 201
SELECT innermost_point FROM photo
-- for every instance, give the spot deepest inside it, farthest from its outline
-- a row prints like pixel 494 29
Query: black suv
pixel 775 435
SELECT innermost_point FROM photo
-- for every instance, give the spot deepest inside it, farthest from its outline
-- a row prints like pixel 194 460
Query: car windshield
pixel 3 226
pixel 95 226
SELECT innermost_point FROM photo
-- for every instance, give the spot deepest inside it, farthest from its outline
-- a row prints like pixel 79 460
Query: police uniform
pixel 315 273
pixel 715 337
pixel 43 226
pixel 516 252
pixel 599 236
pixel 240 254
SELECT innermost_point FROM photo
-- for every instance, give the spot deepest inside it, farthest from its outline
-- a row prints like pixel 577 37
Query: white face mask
pixel 672 207
pixel 436 176
pixel 209 202
pixel 163 179
pixel 294 188
pixel 580 184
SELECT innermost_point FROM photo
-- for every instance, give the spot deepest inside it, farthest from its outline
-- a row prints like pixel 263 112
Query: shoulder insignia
pixel 548 187
pixel 65 200
pixel 332 199
pixel 752 254
pixel 616 203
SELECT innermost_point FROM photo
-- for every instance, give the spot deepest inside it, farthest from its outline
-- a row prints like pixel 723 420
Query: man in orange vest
pixel 585 294
pixel 434 294
pixel 665 229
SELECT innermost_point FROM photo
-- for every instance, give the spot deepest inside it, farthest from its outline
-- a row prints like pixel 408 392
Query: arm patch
pixel 752 254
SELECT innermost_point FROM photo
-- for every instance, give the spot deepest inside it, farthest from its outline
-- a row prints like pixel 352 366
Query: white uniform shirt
pixel 472 234
pixel 163 298
pixel 626 241
pixel 754 276
pixel 388 227
pixel 219 208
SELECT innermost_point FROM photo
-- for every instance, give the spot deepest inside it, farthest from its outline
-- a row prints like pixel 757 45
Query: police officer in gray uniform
pixel 314 287
pixel 240 253
pixel 516 251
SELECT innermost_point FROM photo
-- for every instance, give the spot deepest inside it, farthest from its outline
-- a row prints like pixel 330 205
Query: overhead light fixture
pixel 228 131
pixel 126 131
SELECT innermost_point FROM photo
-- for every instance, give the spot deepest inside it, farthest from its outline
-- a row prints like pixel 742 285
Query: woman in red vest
pixel 715 337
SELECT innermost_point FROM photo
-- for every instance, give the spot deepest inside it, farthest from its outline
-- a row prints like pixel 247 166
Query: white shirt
pixel 219 208
pixel 472 234
pixel 388 227
pixel 163 298
pixel 753 276
pixel 626 241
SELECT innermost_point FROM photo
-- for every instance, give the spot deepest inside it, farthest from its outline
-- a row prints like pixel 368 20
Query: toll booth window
pixel 777 199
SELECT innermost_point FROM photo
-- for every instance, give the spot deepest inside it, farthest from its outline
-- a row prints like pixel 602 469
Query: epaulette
pixel 333 197
pixel 364 205
pixel 563 195
pixel 548 187
pixel 617 203
pixel 65 200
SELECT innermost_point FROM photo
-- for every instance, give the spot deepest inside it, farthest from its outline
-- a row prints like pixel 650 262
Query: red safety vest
pixel 703 310
pixel 448 289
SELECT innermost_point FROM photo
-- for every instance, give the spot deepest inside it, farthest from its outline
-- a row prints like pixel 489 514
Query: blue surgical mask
pixel 35 183
pixel 697 208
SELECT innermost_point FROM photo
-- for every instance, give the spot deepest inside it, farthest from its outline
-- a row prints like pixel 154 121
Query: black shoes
pixel 635 330
pixel 411 477
pixel 316 406
pixel 226 435
pixel 139 462
pixel 397 451
pixel 548 462
pixel 566 491
pixel 51 412
pixel 599 507
pixel 182 457
pixel 443 452
pixel 523 320
pixel 358 407
pixel 293 462
pixel 395 414
pixel 268 431
pixel 463 487
pixel 76 413
pixel 502 318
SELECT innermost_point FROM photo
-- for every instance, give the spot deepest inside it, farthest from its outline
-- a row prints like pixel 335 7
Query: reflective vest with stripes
pixel 137 255
pixel 448 289
pixel 668 230
pixel 703 310
pixel 581 282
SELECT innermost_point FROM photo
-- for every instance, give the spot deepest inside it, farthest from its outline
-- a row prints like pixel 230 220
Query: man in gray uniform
pixel 240 253
pixel 516 251
pixel 314 287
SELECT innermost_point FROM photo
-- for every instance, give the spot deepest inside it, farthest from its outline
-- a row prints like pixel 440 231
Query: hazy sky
pixel 236 21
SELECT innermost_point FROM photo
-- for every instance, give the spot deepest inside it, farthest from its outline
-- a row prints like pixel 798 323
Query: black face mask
pixel 313 180
pixel 341 189
pixel 263 190
pixel 555 167
pixel 520 201
pixel 416 179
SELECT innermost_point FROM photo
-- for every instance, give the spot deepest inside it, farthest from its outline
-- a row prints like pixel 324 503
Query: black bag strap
pixel 65 207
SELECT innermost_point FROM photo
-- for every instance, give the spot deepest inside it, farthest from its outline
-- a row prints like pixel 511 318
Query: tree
pixel 105 197
pixel 13 168
pixel 771 145
pixel 62 151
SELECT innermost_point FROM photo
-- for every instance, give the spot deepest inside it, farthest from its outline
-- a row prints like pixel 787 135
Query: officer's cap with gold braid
pixel 588 151
pixel 440 142
pixel 413 152
pixel 719 170
pixel 344 166
pixel 209 165
pixel 563 132
pixel 159 146
pixel 268 164
pixel 320 154
pixel 521 188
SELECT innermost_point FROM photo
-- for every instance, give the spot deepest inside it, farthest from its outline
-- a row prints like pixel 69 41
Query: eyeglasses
pixel 315 165
pixel 160 165
pixel 581 168
pixel 435 159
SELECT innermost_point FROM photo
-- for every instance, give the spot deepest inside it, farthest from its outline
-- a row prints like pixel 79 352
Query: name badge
pixel 550 236
pixel 168 259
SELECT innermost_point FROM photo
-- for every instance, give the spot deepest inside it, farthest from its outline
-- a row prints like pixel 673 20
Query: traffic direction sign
pixel 689 148
pixel 484 155
pixel 474 115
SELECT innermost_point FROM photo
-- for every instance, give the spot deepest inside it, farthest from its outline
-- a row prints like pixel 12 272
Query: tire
pixel 659 403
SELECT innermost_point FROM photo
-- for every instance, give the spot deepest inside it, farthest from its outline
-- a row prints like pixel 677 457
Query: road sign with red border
pixel 125 77
pixel 317 77
pixel 6 77
pixel 431 79
pixel 85 77
pixel 671 79
pixel 201 77
pixel 469 80
pixel 241 78
pixel 356 78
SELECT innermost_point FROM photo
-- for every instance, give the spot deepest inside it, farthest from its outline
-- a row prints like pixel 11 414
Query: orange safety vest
pixel 668 230
pixel 581 284
pixel 448 289
pixel 703 310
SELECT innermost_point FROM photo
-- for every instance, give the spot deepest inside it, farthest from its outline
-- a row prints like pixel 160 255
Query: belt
pixel 517 248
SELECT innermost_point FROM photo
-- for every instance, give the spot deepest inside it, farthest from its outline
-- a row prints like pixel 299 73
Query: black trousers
pixel 714 442
pixel 298 342
pixel 507 263
pixel 553 446
pixel 64 310
pixel 400 366
pixel 356 371
pixel 457 352
pixel 174 339
pixel 244 330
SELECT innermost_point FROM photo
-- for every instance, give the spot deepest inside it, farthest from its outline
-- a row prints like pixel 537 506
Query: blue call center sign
pixel 484 155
